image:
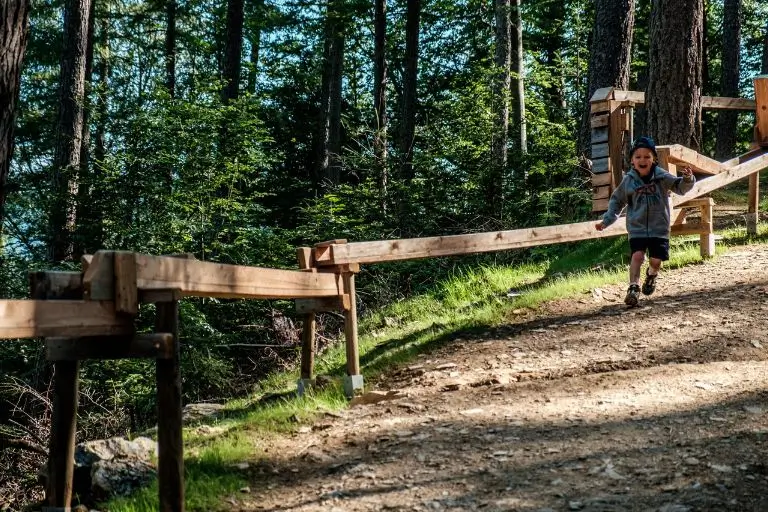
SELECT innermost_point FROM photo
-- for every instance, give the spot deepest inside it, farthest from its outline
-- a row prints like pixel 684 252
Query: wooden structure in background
pixel 612 111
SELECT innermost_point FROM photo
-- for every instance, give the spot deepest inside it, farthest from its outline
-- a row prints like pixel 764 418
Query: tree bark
pixel 410 78
pixel 727 120
pixel 674 92
pixel 170 47
pixel 330 96
pixel 764 67
pixel 255 28
pixel 380 98
pixel 233 51
pixel 69 129
pixel 517 67
pixel 609 56
pixel 494 187
pixel 14 33
pixel 84 204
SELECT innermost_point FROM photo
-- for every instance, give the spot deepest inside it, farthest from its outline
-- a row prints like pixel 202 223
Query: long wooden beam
pixel 64 318
pixel 681 155
pixel 707 185
pixel 707 102
pixel 208 279
pixel 415 248
pixel 109 278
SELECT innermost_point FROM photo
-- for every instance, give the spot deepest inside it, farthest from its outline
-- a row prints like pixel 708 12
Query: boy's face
pixel 642 161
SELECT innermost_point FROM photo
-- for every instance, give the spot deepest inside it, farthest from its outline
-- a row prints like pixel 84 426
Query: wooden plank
pixel 721 103
pixel 322 304
pixel 735 173
pixel 61 443
pixel 308 331
pixel 71 318
pixel 600 150
pixel 56 285
pixel 600 205
pixel 691 229
pixel 600 165
pixel 677 216
pixel 208 279
pixel 126 293
pixel 415 248
pixel 600 107
pixel 598 180
pixel 601 192
pixel 617 140
pixel 761 109
pixel 602 94
pixel 707 239
pixel 336 241
pixel 151 346
pixel 350 326
pixel 155 296
pixel 304 255
pixel 599 121
pixel 635 97
pixel 683 156
pixel 99 277
pixel 753 203
pixel 707 102
pixel 170 463
pixel 697 203
pixel 599 135
pixel 64 400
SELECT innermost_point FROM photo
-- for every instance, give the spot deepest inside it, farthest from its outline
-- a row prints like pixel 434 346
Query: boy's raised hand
pixel 686 172
pixel 600 226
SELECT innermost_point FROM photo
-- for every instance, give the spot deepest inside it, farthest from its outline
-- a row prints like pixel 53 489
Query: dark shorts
pixel 657 247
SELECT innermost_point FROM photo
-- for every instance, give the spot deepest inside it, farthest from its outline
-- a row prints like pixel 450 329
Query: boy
pixel 644 190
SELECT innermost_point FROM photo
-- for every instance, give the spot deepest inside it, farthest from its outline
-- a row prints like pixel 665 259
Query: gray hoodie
pixel 647 203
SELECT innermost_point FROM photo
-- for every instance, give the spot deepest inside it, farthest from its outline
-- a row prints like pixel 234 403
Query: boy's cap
pixel 644 142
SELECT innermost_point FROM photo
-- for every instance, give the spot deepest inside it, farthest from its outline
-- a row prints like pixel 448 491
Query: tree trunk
pixel 494 186
pixel 330 100
pixel 170 47
pixel 14 33
pixel 69 129
pixel 609 56
pixel 764 67
pixel 254 34
pixel 233 51
pixel 674 93
pixel 410 79
pixel 727 120
pixel 552 49
pixel 100 144
pixel 517 65
pixel 84 204
pixel 380 97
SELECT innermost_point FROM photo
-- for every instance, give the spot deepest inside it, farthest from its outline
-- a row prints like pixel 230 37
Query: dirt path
pixel 582 405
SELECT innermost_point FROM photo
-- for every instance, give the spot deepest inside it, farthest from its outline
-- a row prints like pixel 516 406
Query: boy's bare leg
pixel 654 265
pixel 635 264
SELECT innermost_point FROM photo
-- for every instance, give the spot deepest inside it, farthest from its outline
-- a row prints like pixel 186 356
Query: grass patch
pixel 468 301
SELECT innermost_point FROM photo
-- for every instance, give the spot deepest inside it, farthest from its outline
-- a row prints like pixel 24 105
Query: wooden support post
pixel 354 382
pixel 308 330
pixel 707 240
pixel 761 113
pixel 170 463
pixel 753 203
pixel 61 443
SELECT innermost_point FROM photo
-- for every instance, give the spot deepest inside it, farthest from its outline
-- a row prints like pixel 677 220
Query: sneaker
pixel 650 283
pixel 633 294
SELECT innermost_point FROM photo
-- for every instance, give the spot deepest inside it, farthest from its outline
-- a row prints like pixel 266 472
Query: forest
pixel 239 130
